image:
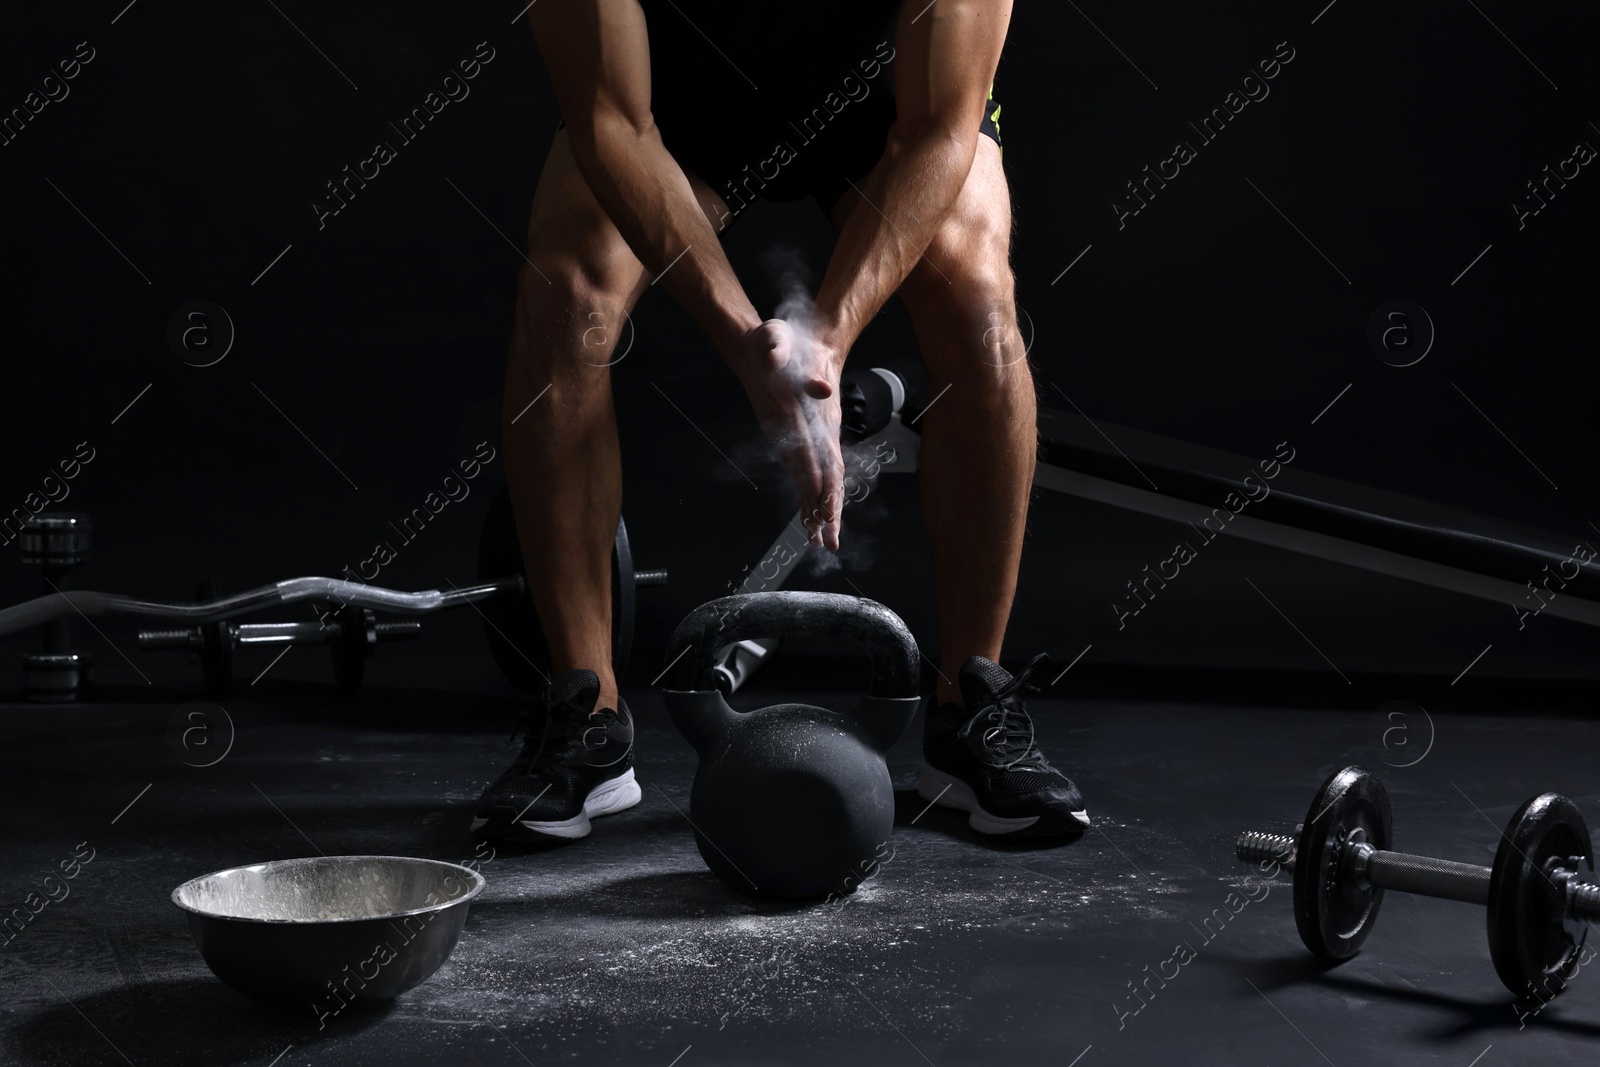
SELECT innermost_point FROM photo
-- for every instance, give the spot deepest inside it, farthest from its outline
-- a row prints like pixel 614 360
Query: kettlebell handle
pixel 896 661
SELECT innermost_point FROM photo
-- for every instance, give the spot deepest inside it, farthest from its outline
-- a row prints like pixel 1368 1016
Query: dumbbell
pixel 352 636
pixel 55 544
pixel 1539 901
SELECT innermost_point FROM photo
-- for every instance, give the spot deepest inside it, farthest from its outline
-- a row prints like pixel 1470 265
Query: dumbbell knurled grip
pixel 1425 876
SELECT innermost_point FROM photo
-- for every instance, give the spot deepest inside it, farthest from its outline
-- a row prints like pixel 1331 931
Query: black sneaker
pixel 581 767
pixel 983 760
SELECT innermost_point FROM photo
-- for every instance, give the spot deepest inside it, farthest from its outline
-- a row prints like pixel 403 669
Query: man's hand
pixel 793 384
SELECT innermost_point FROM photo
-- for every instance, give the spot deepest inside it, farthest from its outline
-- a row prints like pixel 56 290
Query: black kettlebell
pixel 792 800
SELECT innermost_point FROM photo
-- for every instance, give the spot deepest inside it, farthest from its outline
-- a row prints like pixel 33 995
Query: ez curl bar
pixel 351 630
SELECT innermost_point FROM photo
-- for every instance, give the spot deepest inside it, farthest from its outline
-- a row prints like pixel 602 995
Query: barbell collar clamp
pixel 188 637
pixel 1583 898
pixel 1256 846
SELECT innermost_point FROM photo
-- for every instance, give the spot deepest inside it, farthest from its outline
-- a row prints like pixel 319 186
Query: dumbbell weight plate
pixel 511 624
pixel 216 649
pixel 1332 913
pixel 1534 947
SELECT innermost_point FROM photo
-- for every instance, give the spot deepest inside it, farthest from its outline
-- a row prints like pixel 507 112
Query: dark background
pixel 1395 141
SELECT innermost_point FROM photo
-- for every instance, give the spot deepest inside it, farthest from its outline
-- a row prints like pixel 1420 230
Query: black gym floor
pixel 624 949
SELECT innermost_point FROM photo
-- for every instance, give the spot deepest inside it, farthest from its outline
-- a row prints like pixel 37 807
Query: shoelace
pixel 534 748
pixel 531 745
pixel 1008 731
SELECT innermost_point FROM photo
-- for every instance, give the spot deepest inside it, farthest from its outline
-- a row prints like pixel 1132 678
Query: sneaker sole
pixel 937 787
pixel 608 798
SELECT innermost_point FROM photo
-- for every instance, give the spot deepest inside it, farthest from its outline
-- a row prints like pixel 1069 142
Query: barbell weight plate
pixel 216 650
pixel 357 634
pixel 622 589
pixel 511 624
pixel 1534 946
pixel 1333 914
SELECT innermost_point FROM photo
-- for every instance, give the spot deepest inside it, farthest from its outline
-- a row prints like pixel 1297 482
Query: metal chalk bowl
pixel 323 933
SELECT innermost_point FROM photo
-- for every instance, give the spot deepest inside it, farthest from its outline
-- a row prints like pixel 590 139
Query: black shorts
pixel 748 155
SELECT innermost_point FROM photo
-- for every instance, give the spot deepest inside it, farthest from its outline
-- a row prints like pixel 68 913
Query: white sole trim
pixel 937 787
pixel 607 798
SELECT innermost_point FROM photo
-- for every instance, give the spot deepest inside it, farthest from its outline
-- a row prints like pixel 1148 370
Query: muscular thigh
pixel 570 235
pixel 961 287
pixel 967 265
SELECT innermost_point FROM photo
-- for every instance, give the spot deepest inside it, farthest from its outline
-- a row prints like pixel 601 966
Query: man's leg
pixel 562 460
pixel 979 440
pixel 563 465
pixel 979 437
